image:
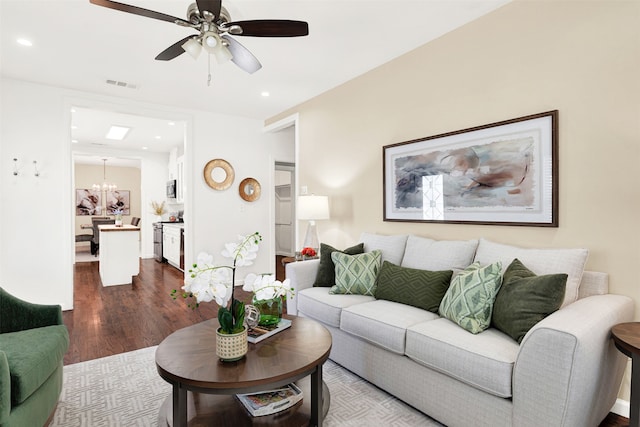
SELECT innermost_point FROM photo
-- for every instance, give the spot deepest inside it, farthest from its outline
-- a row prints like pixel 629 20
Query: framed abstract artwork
pixel 118 200
pixel 503 173
pixel 88 202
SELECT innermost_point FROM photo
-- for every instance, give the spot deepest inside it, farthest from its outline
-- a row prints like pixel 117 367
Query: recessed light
pixel 75 141
pixel 171 123
pixel 265 94
pixel 158 137
pixel 24 42
pixel 73 110
pixel 145 148
pixel 117 133
pixel 74 127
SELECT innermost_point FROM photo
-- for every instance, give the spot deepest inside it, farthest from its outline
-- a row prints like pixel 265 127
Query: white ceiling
pixel 79 45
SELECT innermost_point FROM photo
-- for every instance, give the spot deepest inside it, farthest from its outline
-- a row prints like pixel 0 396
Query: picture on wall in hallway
pixel 118 200
pixel 503 173
pixel 88 202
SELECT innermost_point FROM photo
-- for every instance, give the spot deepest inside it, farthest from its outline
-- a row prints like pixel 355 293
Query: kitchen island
pixel 119 254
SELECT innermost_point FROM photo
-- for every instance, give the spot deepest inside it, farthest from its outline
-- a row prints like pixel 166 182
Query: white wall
pixel 37 213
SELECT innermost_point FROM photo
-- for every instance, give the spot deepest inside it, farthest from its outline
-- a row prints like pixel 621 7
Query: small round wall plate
pixel 249 189
pixel 219 174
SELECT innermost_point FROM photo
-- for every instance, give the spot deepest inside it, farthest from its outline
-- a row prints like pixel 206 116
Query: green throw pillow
pixel 356 274
pixel 469 300
pixel 525 299
pixel 420 288
pixel 326 276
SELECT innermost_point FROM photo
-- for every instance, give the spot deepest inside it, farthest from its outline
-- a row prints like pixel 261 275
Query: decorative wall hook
pixel 35 168
pixel 15 167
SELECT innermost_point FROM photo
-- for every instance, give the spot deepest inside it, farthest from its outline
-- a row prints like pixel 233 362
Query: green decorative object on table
pixel 270 310
pixel 268 296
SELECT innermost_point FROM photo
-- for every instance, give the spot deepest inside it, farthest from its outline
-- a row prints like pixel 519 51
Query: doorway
pixel 284 192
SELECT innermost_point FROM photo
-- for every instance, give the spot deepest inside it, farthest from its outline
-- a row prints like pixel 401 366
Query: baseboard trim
pixel 621 407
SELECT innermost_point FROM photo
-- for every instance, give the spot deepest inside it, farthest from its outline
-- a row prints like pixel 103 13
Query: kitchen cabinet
pixel 119 254
pixel 171 243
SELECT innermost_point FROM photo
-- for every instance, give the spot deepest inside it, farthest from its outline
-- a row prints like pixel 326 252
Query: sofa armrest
pixel 5 389
pixel 18 315
pixel 568 371
pixel 301 275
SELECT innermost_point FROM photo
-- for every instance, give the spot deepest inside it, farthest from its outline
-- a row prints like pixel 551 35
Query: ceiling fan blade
pixel 140 11
pixel 269 28
pixel 212 6
pixel 173 51
pixel 241 56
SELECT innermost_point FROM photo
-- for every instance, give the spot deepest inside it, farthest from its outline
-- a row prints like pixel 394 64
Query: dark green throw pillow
pixel 420 288
pixel 525 299
pixel 326 276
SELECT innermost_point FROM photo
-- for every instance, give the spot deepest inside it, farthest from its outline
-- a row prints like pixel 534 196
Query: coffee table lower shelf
pixel 204 410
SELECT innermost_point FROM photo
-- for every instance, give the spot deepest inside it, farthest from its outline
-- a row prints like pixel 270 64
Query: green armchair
pixel 33 341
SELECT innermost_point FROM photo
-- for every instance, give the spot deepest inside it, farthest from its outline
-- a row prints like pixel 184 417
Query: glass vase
pixel 270 310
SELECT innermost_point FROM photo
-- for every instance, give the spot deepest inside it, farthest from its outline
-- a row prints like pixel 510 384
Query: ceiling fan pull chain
pixel 209 65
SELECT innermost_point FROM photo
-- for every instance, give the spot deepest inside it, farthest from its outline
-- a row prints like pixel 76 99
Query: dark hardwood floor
pixel 117 319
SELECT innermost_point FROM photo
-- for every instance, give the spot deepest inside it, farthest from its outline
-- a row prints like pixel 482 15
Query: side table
pixel 626 336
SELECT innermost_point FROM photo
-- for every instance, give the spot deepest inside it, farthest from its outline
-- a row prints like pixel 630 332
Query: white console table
pixel 119 254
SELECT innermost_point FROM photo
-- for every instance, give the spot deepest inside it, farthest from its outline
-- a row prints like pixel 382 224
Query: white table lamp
pixel 312 208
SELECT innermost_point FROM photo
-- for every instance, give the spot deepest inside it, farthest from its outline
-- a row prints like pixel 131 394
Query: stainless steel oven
pixel 157 241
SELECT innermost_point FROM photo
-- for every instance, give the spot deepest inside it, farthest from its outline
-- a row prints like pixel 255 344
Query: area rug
pixel 125 390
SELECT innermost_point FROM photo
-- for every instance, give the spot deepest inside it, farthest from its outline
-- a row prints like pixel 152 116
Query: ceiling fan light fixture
pixel 192 47
pixel 210 41
pixel 222 54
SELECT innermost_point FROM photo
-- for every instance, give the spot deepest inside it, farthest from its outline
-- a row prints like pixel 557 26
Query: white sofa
pixel 565 372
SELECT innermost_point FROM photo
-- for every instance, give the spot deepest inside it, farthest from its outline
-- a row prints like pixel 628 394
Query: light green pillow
pixel 356 274
pixel 469 300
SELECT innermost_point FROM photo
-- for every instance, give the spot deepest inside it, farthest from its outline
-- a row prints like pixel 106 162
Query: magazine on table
pixel 271 401
pixel 258 333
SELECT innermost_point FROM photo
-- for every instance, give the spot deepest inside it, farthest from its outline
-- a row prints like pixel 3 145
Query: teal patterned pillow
pixel 356 274
pixel 469 300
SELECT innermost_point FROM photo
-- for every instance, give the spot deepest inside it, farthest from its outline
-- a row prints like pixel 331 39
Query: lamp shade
pixel 313 208
pixel 192 47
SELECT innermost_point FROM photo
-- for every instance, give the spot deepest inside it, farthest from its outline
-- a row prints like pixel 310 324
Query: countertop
pixel 124 227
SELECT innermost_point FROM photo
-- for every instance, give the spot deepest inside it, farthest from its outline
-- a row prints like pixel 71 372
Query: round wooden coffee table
pixel 204 387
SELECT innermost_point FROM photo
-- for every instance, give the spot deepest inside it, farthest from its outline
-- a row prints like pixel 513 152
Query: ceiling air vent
pixel 121 84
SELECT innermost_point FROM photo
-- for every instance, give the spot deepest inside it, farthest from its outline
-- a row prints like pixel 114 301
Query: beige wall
pixel 581 58
pixel 126 178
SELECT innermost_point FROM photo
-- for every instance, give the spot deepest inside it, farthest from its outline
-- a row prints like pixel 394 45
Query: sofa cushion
pixel 434 255
pixel 318 304
pixel 469 299
pixel 326 275
pixel 356 274
pixel 392 247
pixel 539 261
pixel 33 355
pixel 484 361
pixel 419 288
pixel 525 299
pixel 383 323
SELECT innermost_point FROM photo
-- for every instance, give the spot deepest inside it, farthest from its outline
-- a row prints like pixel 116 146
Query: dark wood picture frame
pixel 503 173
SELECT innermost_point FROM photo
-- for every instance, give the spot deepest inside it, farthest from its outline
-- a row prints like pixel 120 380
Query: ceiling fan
pixel 214 25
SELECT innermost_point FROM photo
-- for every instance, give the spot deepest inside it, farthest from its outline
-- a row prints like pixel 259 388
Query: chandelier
pixel 105 186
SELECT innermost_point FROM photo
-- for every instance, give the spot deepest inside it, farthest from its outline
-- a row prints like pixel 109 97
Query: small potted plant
pixel 118 214
pixel 207 283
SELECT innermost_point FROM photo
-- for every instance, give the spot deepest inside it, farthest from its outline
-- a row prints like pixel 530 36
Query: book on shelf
pixel 271 401
pixel 258 333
